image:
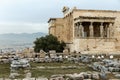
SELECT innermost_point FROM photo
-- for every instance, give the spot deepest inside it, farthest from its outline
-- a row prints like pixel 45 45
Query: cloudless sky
pixel 29 16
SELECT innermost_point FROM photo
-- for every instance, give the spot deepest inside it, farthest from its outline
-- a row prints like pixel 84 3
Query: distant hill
pixel 23 39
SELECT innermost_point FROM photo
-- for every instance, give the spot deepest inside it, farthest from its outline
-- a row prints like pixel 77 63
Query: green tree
pixel 49 42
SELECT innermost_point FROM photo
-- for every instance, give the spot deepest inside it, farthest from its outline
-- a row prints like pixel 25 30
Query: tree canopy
pixel 49 42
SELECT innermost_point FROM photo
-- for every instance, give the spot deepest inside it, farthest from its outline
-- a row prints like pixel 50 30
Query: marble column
pixel 76 30
pixel 111 29
pixel 108 32
pixel 105 33
pixel 91 29
pixel 101 29
pixel 80 29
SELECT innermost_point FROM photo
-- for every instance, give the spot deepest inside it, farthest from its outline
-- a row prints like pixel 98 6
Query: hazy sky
pixel 29 16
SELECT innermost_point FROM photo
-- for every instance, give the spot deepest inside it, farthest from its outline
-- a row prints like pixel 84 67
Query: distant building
pixel 87 30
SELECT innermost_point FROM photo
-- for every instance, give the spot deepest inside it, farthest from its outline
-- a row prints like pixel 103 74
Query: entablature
pixel 94 19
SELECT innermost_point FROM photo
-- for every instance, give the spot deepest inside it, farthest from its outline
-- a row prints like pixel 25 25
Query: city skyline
pixel 29 16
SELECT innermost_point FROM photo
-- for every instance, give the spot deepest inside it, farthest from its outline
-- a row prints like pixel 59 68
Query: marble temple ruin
pixel 87 30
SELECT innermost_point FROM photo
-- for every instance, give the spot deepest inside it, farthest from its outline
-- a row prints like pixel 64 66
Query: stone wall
pixel 62 28
pixel 68 29
pixel 57 28
pixel 99 45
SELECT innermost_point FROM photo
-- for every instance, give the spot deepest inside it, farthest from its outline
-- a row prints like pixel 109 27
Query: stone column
pixel 101 29
pixel 105 32
pixel 80 30
pixel 111 30
pixel 108 32
pixel 76 30
pixel 91 29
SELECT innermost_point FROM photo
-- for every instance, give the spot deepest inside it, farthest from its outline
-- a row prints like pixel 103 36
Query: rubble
pixel 19 63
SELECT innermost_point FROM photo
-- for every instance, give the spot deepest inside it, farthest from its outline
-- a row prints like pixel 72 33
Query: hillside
pixel 16 40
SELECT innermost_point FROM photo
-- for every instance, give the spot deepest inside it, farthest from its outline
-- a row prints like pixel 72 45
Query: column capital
pixel 110 24
pixel 77 24
pixel 91 23
pixel 80 23
pixel 101 23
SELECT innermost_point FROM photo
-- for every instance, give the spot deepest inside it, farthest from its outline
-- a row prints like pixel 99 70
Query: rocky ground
pixel 73 68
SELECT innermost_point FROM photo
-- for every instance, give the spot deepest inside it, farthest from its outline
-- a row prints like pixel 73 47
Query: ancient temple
pixel 87 30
